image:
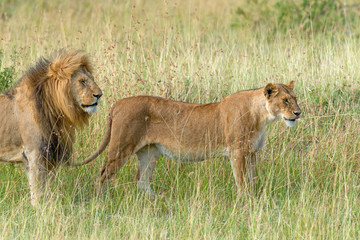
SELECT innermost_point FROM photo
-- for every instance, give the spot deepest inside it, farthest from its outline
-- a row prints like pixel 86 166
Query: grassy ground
pixel 307 182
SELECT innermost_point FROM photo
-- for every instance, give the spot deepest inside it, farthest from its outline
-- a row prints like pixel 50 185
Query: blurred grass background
pixel 307 182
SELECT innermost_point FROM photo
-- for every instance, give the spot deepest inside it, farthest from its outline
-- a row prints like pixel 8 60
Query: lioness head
pixel 281 102
pixel 85 91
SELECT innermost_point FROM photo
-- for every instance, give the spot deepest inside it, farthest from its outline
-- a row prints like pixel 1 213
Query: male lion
pixel 151 126
pixel 39 115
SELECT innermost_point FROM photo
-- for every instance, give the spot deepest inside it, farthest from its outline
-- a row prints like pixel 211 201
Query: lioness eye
pixel 286 101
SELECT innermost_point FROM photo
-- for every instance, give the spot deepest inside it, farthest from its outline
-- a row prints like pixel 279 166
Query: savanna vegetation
pixel 307 177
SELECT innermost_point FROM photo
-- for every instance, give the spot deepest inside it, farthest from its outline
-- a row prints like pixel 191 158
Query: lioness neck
pixel 253 102
pixel 260 104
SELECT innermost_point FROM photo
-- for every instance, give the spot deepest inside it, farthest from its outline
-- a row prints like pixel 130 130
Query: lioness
pixel 39 115
pixel 151 126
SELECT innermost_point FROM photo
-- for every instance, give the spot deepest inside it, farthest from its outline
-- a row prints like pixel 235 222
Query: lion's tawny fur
pixel 39 115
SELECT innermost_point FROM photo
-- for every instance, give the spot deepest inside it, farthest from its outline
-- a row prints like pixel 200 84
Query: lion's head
pixel 63 85
pixel 72 85
pixel 84 90
pixel 65 94
pixel 281 102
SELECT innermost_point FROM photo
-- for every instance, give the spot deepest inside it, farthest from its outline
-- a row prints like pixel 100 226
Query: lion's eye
pixel 286 101
pixel 83 82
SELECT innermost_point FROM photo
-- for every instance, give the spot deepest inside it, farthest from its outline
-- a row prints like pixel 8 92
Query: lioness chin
pixel 150 126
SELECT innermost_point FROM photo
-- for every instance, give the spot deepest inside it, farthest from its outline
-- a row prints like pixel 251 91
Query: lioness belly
pixel 181 155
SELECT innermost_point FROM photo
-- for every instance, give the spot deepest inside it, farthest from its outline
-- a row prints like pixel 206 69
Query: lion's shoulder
pixel 10 93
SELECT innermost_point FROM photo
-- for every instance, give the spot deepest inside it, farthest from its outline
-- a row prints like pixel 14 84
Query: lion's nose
pixel 297 113
pixel 98 95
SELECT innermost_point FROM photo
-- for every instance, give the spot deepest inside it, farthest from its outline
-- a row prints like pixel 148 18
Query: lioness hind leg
pixel 147 159
pixel 116 158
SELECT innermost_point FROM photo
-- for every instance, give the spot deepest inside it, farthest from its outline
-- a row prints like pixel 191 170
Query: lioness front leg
pixel 238 162
pixel 251 167
pixel 36 171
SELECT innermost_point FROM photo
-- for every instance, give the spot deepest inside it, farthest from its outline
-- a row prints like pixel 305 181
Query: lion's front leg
pixel 36 171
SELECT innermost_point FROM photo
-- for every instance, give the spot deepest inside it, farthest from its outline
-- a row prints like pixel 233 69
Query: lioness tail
pixel 101 148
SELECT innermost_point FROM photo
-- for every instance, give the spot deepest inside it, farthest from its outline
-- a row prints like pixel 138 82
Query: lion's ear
pixel 56 70
pixel 270 90
pixel 291 84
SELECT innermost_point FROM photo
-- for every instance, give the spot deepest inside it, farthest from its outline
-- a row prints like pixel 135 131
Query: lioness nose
pixel 297 113
pixel 98 95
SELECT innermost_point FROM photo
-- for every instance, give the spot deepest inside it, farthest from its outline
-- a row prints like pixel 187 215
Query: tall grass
pixel 307 182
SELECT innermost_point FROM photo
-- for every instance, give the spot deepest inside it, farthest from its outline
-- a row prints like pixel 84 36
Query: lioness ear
pixel 291 84
pixel 270 90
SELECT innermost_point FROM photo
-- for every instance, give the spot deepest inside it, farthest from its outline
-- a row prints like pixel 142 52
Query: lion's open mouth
pixel 92 105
